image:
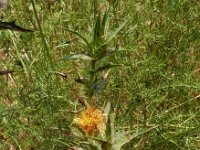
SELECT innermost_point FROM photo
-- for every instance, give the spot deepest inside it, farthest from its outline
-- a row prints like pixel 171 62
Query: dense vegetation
pixel 151 69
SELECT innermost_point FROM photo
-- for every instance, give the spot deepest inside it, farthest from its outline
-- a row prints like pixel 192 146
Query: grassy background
pixel 158 85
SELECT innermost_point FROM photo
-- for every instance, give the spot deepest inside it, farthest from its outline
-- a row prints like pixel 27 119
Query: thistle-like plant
pixel 98 126
pixel 96 47
pixel 107 136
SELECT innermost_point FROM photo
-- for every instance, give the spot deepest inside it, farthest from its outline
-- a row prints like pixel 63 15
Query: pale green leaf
pixel 78 56
pixel 121 138
pixel 107 110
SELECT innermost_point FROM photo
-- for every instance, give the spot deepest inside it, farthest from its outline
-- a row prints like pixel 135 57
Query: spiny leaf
pixel 114 33
pixel 12 26
pixel 97 31
pixel 121 138
pixel 105 23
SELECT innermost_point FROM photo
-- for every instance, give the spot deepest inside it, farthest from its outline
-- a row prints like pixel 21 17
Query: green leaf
pixel 78 56
pixel 97 31
pixel 81 36
pixel 121 138
pixel 105 23
pixel 107 110
pixel 108 66
pixel 110 127
pixel 114 33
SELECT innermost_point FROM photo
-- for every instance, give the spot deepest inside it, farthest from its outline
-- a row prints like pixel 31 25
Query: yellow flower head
pixel 91 120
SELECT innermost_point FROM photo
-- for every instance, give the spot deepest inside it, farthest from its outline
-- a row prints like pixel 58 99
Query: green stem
pixel 46 47
pixel 92 77
pixel 95 4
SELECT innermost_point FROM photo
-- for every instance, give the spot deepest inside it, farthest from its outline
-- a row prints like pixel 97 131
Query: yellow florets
pixel 91 120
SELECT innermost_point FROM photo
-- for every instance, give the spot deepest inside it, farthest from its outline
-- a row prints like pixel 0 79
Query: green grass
pixel 156 85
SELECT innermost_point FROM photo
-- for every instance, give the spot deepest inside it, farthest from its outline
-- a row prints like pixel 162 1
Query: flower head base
pixel 91 120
